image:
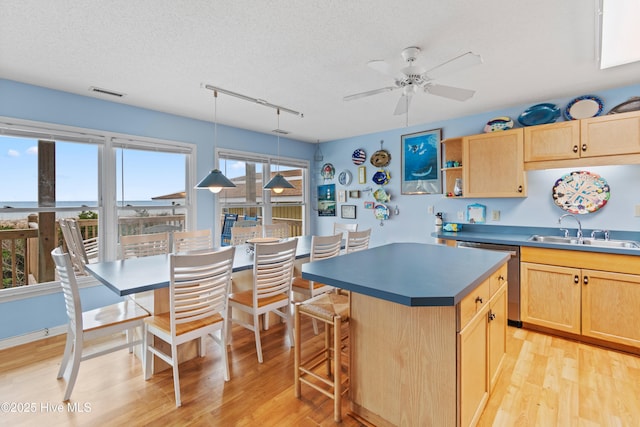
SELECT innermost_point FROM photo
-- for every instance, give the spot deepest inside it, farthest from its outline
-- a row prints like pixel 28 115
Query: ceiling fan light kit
pixel 413 77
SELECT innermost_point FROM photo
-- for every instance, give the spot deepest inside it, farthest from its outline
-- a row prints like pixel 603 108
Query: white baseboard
pixel 32 336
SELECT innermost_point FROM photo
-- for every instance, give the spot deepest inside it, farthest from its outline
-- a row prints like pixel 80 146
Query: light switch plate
pixel 460 215
pixel 637 210
pixel 495 215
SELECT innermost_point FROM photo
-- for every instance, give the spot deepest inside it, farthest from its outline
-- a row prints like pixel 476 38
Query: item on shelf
pixel 631 104
pixel 359 156
pixel 452 164
pixel 457 187
pixel 381 177
pixel 344 178
pixel 539 114
pixel 581 192
pixel 583 107
pixel 452 226
pixel 498 123
pixel 328 171
pixel 380 158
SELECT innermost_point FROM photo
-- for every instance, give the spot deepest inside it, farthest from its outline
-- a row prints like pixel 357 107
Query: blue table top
pixel 130 276
pixel 413 274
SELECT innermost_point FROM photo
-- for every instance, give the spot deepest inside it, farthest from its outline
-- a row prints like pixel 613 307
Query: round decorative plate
pixel 381 177
pixel 380 158
pixel 381 195
pixel 328 171
pixel 344 178
pixel 359 156
pixel 498 123
pixel 631 104
pixel 539 114
pixel 381 212
pixel 581 192
pixel 583 107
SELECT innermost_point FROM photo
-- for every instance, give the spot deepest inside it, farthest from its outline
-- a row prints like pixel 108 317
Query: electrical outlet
pixel 460 216
pixel 430 209
pixel 495 215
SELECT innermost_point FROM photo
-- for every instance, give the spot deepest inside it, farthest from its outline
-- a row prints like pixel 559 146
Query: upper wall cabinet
pixel 492 164
pixel 605 140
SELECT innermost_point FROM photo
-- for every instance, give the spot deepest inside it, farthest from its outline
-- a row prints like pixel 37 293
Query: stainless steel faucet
pixel 579 232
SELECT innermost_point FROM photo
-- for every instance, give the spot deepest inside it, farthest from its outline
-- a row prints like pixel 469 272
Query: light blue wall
pixel 415 225
pixel 23 101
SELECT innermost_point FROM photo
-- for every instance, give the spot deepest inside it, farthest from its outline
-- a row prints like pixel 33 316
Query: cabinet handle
pixel 585 280
pixel 479 299
pixel 584 147
pixel 576 279
pixel 575 148
pixel 492 316
pixel 501 278
pixel 520 189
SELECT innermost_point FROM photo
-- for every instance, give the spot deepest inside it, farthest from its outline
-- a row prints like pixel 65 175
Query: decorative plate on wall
pixel 344 178
pixel 539 114
pixel 328 171
pixel 581 192
pixel 359 156
pixel 583 107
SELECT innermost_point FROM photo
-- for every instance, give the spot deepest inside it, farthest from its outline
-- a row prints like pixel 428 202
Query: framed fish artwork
pixel 421 162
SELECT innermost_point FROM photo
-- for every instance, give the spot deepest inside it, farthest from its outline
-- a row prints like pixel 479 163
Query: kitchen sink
pixel 625 244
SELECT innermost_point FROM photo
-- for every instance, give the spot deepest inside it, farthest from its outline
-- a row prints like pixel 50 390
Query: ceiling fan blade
pixel 380 66
pixel 403 104
pixel 369 93
pixel 456 93
pixel 456 64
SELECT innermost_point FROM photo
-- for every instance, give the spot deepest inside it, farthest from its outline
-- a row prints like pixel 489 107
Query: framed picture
pixel 354 194
pixel 421 162
pixel 362 175
pixel 327 200
pixel 369 205
pixel 342 196
pixel 348 211
pixel 476 213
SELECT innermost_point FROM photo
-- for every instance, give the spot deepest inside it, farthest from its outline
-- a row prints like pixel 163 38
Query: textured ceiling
pixel 304 55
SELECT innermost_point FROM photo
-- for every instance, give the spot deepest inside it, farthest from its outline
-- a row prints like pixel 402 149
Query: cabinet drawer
pixel 497 279
pixel 473 303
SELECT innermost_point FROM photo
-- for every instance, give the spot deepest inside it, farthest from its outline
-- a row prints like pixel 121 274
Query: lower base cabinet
pixel 557 294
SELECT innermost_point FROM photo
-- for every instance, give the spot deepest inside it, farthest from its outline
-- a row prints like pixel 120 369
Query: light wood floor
pixel 546 381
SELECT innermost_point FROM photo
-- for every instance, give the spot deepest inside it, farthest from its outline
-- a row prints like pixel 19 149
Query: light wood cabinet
pixel 493 164
pixel 497 322
pixel 599 302
pixel 604 140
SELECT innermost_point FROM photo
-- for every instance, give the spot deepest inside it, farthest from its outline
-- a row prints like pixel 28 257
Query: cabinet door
pixel 493 165
pixel 550 296
pixel 474 387
pixel 556 141
pixel 610 304
pixel 611 134
pixel 497 320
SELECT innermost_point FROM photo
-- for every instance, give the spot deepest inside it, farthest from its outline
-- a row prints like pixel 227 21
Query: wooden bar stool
pixel 332 309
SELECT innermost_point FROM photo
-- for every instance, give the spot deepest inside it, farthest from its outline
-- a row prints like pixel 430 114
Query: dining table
pixel 146 280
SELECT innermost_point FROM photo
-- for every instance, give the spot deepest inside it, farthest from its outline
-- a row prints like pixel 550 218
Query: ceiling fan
pixel 413 77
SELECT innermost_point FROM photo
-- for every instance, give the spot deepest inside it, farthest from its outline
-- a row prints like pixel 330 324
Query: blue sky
pixel 147 173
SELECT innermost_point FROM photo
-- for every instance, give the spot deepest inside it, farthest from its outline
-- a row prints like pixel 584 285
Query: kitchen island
pixel 427 330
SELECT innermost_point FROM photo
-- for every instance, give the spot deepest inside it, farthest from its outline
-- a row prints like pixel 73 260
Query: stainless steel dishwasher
pixel 513 276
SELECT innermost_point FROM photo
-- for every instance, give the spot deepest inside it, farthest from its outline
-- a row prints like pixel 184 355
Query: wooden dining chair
pixel 198 300
pixel 78 260
pixel 280 230
pixel 357 241
pixel 342 228
pixel 139 245
pixel 271 289
pixel 184 241
pixel 322 247
pixel 85 326
pixel 240 235
pixel 227 224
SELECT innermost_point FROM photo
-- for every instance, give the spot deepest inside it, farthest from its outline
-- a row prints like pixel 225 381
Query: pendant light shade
pixel 278 183
pixel 215 181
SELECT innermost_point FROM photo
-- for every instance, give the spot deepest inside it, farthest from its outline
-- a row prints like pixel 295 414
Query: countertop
pixel 519 236
pixel 412 274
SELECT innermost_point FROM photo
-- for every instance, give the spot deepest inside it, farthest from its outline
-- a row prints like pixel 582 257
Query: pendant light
pixel 215 181
pixel 278 183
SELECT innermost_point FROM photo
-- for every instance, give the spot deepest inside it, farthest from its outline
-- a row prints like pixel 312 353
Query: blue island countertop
pixel 412 274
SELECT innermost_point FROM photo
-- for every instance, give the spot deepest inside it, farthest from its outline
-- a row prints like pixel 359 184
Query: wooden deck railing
pixel 19 256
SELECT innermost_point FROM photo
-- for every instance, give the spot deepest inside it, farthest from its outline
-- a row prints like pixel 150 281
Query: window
pixel 248 199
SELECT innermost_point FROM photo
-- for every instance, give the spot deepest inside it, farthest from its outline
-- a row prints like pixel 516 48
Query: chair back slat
pixel 240 235
pixel 200 285
pixel 141 245
pixel 323 247
pixel 184 241
pixel 64 269
pixel 280 230
pixel 273 269
pixel 357 240
pixel 342 228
